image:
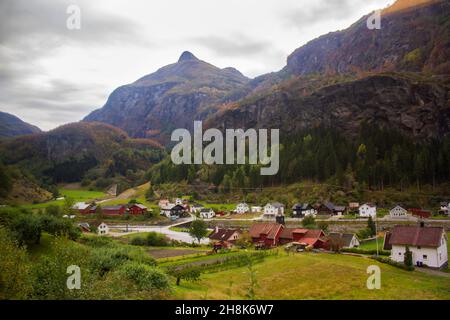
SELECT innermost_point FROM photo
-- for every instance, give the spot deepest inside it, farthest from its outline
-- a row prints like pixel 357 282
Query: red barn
pixel 314 238
pixel 266 234
pixel 420 213
pixel 114 210
pixel 137 209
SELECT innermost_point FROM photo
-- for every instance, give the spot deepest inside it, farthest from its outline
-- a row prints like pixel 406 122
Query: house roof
pixel 223 234
pixel 269 229
pixel 369 204
pixel 206 210
pixel 416 236
pixel 81 206
pixel 345 237
pixel 118 207
pixel 276 204
pixel 301 206
pixel 141 206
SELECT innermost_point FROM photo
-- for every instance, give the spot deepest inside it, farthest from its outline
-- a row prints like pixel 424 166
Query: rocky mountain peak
pixel 187 56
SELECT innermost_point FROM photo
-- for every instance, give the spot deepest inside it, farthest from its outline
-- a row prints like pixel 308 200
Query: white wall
pixel 436 257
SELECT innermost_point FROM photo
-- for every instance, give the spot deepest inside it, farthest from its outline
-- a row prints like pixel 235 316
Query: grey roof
pixel 346 237
pixel 276 204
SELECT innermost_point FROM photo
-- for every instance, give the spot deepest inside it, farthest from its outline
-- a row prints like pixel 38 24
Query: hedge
pixel 393 263
pixel 365 251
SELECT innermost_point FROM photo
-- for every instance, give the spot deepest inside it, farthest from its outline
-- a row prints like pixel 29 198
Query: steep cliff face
pixel 11 126
pixel 414 36
pixel 417 108
pixel 170 98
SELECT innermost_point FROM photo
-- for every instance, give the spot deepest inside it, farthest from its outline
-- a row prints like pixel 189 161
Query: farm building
pixel 137 209
pixel 173 210
pixel 423 214
pixel 266 234
pixel 306 237
pixel 114 210
pixel 427 244
pixel 84 208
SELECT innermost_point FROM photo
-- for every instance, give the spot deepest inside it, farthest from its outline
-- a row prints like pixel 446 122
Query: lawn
pixel 372 244
pixel 316 276
pixel 76 195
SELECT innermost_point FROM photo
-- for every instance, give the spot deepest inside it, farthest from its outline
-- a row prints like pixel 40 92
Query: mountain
pixel 170 98
pixel 396 77
pixel 414 36
pixel 77 151
pixel 11 126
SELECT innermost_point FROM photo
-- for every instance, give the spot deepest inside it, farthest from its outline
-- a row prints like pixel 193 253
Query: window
pixel 425 257
pixel 399 253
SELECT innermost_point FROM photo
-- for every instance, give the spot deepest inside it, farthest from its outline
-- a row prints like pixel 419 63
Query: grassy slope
pixel 317 276
pixel 76 195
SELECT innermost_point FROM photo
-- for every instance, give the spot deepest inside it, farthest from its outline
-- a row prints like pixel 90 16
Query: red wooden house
pixel 114 210
pixel 420 213
pixel 266 234
pixel 307 237
pixel 137 209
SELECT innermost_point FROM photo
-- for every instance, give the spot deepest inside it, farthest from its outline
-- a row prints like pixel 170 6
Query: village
pixel 301 228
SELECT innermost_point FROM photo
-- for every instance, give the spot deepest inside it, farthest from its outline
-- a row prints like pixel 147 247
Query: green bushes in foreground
pixel 152 239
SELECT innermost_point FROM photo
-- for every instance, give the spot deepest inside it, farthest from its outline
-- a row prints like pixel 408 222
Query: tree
pixel 371 226
pixel 188 273
pixel 308 221
pixel 408 261
pixel 198 229
pixel 245 240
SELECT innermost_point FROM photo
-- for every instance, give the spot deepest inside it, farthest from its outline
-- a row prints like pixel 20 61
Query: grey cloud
pixel 32 30
pixel 322 11
pixel 232 46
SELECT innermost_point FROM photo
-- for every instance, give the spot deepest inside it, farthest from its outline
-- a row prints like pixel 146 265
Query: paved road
pixel 174 235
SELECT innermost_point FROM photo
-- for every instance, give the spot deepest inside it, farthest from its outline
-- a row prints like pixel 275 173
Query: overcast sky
pixel 50 75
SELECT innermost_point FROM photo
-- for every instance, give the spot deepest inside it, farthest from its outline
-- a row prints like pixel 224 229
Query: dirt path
pixel 433 272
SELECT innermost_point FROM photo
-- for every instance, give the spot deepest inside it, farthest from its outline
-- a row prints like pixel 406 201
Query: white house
pixel 445 208
pixel 242 208
pixel 271 210
pixel 256 209
pixel 179 201
pixel 398 213
pixel 103 229
pixel 194 208
pixel 368 210
pixel 428 245
pixel 207 213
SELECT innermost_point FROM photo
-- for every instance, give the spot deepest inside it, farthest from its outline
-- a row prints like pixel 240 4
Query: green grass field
pixel 316 276
pixel 76 195
pixel 372 244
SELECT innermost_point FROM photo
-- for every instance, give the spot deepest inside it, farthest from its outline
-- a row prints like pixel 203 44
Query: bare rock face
pixel 173 97
pixel 416 108
pixel 414 36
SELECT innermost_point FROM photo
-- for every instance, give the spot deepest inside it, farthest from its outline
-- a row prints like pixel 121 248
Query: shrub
pixel 189 273
pixel 144 276
pixel 393 263
pixel 157 240
pixel 366 251
pixel 138 241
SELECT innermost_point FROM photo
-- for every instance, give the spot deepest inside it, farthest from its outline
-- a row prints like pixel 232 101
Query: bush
pixel 393 263
pixel 157 240
pixel 144 276
pixel 138 241
pixel 365 251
